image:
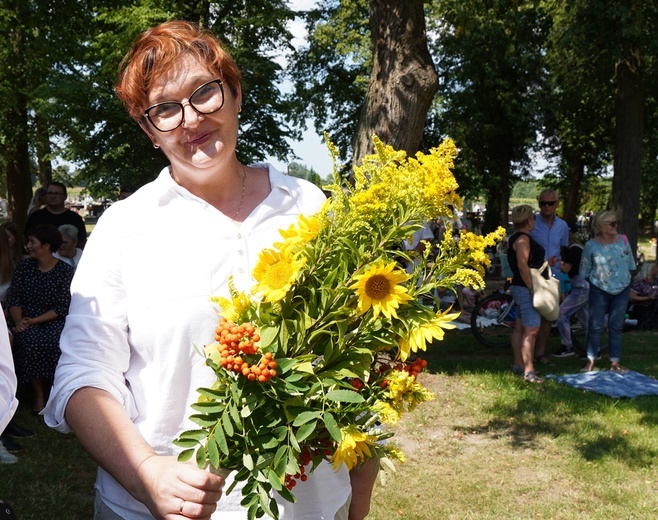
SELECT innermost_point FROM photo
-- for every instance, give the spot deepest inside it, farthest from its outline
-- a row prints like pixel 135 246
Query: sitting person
pixel 644 295
pixel 68 252
pixel 39 297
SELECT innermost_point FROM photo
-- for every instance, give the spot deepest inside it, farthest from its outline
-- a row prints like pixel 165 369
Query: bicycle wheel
pixel 492 320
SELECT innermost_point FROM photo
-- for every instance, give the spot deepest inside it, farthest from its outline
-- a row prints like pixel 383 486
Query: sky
pixel 311 151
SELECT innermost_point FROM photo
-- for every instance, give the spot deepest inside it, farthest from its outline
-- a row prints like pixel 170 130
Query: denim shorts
pixel 530 317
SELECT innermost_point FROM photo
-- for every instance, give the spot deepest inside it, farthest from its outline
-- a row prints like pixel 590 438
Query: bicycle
pixel 493 319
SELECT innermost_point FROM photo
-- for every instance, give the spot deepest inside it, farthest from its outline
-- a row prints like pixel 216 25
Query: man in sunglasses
pixel 552 233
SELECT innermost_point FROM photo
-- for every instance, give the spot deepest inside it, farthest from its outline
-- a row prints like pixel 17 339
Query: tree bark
pixel 403 80
pixel 498 195
pixel 19 182
pixel 629 112
pixel 43 151
pixel 572 200
pixel 16 150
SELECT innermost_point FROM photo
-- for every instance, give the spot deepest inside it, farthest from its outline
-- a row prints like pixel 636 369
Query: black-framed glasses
pixel 55 193
pixel 206 99
pixel 547 202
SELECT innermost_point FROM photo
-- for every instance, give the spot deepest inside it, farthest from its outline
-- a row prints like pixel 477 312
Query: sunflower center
pixel 277 275
pixel 378 287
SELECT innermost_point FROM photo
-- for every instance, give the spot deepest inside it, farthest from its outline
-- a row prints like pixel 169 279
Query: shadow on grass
pixel 598 427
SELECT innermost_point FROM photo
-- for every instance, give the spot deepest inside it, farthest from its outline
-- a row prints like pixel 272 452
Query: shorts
pixel 530 317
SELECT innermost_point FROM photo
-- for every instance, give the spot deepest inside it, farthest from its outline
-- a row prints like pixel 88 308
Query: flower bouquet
pixel 321 353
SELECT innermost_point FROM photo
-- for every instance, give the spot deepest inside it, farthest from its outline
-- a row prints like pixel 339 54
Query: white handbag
pixel 545 292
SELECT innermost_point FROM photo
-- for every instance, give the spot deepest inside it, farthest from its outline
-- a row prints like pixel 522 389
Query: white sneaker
pixel 6 457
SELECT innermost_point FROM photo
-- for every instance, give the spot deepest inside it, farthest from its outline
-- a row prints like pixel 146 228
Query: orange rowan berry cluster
pixel 304 460
pixel 415 367
pixel 236 342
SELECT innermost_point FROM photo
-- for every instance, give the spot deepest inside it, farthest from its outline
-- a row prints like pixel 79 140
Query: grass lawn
pixel 489 446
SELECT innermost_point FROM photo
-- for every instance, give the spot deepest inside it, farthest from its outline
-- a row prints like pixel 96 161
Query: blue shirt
pixel 552 238
pixel 608 266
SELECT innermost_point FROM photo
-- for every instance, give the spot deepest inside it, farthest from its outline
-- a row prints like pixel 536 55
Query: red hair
pixel 154 53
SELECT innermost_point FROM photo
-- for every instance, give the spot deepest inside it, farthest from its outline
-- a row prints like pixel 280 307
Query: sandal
pixel 618 369
pixel 517 369
pixel 532 377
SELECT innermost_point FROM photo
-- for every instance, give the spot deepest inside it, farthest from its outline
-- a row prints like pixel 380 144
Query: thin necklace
pixel 244 181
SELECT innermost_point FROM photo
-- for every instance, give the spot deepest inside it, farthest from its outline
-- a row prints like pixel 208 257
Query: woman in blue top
pixel 607 262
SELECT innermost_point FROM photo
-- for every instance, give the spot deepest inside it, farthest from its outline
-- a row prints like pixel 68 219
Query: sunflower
pixel 303 231
pixel 275 273
pixel 354 446
pixel 378 288
pixel 432 329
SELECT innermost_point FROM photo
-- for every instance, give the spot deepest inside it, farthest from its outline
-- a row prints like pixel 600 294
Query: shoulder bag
pixel 545 292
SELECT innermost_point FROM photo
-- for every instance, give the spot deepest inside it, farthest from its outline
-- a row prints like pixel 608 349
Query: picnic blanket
pixel 611 384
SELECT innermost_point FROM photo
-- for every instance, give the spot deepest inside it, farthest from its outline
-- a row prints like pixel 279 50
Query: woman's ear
pixel 145 128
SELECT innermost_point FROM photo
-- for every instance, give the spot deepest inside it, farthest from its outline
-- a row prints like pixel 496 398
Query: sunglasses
pixel 547 202
pixel 613 223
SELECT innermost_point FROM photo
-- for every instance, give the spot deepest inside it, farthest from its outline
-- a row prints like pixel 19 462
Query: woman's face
pixel 67 249
pixel 203 141
pixel 35 248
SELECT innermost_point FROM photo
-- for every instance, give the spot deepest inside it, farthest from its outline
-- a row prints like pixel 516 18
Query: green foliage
pixel 302 172
pixel 331 73
pixel 490 59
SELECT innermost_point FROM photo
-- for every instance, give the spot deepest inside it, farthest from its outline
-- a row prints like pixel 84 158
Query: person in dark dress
pixel 39 297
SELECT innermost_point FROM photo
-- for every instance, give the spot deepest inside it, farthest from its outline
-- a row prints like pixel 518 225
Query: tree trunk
pixel 19 182
pixel 572 200
pixel 16 147
pixel 403 80
pixel 629 113
pixel 43 151
pixel 498 195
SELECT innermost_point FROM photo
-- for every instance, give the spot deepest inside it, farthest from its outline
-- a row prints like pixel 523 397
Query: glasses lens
pixel 208 98
pixel 166 116
pixel 614 223
pixel 547 202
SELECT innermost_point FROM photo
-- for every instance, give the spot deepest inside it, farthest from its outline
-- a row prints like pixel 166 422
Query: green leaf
pixel 199 435
pixel 268 336
pixel 279 455
pixel 201 456
pixel 274 479
pixel 344 396
pixel 306 430
pixel 209 407
pixel 213 452
pixel 247 461
pixel 185 455
pixel 228 426
pixel 221 439
pixel 285 364
pixel 212 393
pixel 332 427
pixel 186 443
pixel 306 367
pixel 202 420
pixel 235 415
pixel 305 417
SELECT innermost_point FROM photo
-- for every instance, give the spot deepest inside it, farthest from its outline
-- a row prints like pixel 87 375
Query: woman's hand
pixel 175 490
pixel 23 325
